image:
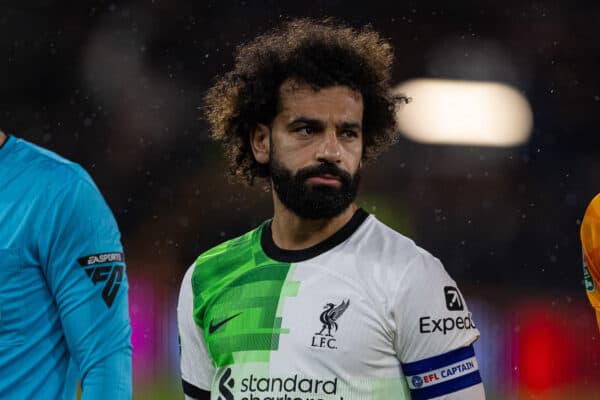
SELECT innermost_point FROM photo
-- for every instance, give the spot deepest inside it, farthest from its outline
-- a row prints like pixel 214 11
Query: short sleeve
pixel 434 332
pixel 197 368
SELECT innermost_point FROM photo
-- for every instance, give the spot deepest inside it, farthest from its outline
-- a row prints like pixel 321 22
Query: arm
pixel 82 260
pixel 197 368
pixel 436 333
pixel 590 243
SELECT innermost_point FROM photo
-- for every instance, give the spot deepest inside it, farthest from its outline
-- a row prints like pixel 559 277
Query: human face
pixel 315 148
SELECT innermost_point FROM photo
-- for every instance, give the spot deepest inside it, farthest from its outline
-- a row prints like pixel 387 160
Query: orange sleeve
pixel 590 243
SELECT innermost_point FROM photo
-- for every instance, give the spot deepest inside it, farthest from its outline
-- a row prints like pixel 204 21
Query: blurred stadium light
pixel 464 113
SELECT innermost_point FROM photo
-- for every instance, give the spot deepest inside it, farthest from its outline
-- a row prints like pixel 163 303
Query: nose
pixel 329 149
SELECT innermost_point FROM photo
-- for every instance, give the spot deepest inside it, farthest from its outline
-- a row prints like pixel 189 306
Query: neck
pixel 2 138
pixel 291 232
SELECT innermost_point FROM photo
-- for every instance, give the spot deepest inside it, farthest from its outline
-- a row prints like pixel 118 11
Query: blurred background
pixel 118 87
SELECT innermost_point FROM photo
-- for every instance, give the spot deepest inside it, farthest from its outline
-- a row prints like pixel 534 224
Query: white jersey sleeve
pixel 435 333
pixel 197 368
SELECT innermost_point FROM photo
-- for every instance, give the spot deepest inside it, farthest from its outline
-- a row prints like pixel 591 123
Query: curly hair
pixel 320 53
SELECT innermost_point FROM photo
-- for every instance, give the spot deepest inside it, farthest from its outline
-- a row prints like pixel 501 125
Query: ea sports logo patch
pixel 100 268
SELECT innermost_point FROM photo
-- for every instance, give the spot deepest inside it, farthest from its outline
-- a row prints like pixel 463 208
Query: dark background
pixel 118 87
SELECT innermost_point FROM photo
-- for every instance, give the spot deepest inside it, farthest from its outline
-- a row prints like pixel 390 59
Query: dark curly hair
pixel 322 54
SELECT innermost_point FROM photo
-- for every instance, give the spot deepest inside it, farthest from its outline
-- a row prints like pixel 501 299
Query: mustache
pixel 323 169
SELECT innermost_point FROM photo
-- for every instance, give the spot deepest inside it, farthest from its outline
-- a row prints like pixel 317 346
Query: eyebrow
pixel 319 123
pixel 350 125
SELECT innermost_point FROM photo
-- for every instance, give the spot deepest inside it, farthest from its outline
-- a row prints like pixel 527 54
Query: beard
pixel 313 201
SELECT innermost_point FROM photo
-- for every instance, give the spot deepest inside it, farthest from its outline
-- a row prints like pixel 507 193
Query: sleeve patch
pixel 109 276
pixel 102 258
pixel 443 374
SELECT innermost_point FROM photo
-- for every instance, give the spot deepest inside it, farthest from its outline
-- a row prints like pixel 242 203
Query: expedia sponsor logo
pixel 453 300
pixel 445 325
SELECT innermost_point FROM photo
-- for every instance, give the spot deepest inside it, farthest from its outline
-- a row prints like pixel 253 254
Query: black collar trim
pixel 279 254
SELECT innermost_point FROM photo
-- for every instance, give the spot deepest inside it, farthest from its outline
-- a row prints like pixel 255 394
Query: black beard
pixel 314 201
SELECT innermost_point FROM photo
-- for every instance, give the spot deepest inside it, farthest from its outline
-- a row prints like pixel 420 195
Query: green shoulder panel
pixel 237 291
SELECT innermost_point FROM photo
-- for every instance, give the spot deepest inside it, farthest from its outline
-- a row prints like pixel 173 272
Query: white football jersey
pixel 366 314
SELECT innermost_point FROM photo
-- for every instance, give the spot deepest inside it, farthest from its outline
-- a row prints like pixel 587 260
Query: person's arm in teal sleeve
pixel 84 267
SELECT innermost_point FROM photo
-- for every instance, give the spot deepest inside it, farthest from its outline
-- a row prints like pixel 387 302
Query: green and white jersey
pixel 366 314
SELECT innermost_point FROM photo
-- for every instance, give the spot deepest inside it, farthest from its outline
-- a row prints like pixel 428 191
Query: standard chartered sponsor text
pixel 268 388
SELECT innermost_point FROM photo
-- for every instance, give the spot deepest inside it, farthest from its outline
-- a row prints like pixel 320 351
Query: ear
pixel 260 142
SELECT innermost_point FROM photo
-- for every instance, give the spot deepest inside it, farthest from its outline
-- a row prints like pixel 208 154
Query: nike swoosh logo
pixel 213 327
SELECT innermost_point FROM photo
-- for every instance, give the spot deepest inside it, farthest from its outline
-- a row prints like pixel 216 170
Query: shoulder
pixel 215 264
pixel 52 170
pixel 392 250
pixel 185 292
pixel 230 250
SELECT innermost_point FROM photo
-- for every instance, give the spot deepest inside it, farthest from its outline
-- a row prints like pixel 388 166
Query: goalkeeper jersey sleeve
pixel 63 287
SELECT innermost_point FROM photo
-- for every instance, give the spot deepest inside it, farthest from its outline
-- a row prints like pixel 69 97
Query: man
pixel 590 242
pixel 63 289
pixel 323 301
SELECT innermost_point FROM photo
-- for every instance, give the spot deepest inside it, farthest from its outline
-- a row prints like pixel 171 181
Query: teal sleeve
pixel 82 259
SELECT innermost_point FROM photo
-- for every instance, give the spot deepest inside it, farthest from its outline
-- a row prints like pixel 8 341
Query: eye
pixel 349 134
pixel 305 130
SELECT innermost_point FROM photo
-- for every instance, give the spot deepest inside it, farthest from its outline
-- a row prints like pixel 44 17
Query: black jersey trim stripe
pixel 195 391
pixel 5 141
pixel 279 254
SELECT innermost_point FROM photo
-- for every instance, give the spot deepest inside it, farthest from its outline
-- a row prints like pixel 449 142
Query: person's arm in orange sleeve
pixel 590 243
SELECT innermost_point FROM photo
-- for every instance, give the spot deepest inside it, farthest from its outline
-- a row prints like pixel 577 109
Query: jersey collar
pixel 279 254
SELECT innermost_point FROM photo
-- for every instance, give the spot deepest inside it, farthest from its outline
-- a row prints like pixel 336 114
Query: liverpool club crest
pixel 329 325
